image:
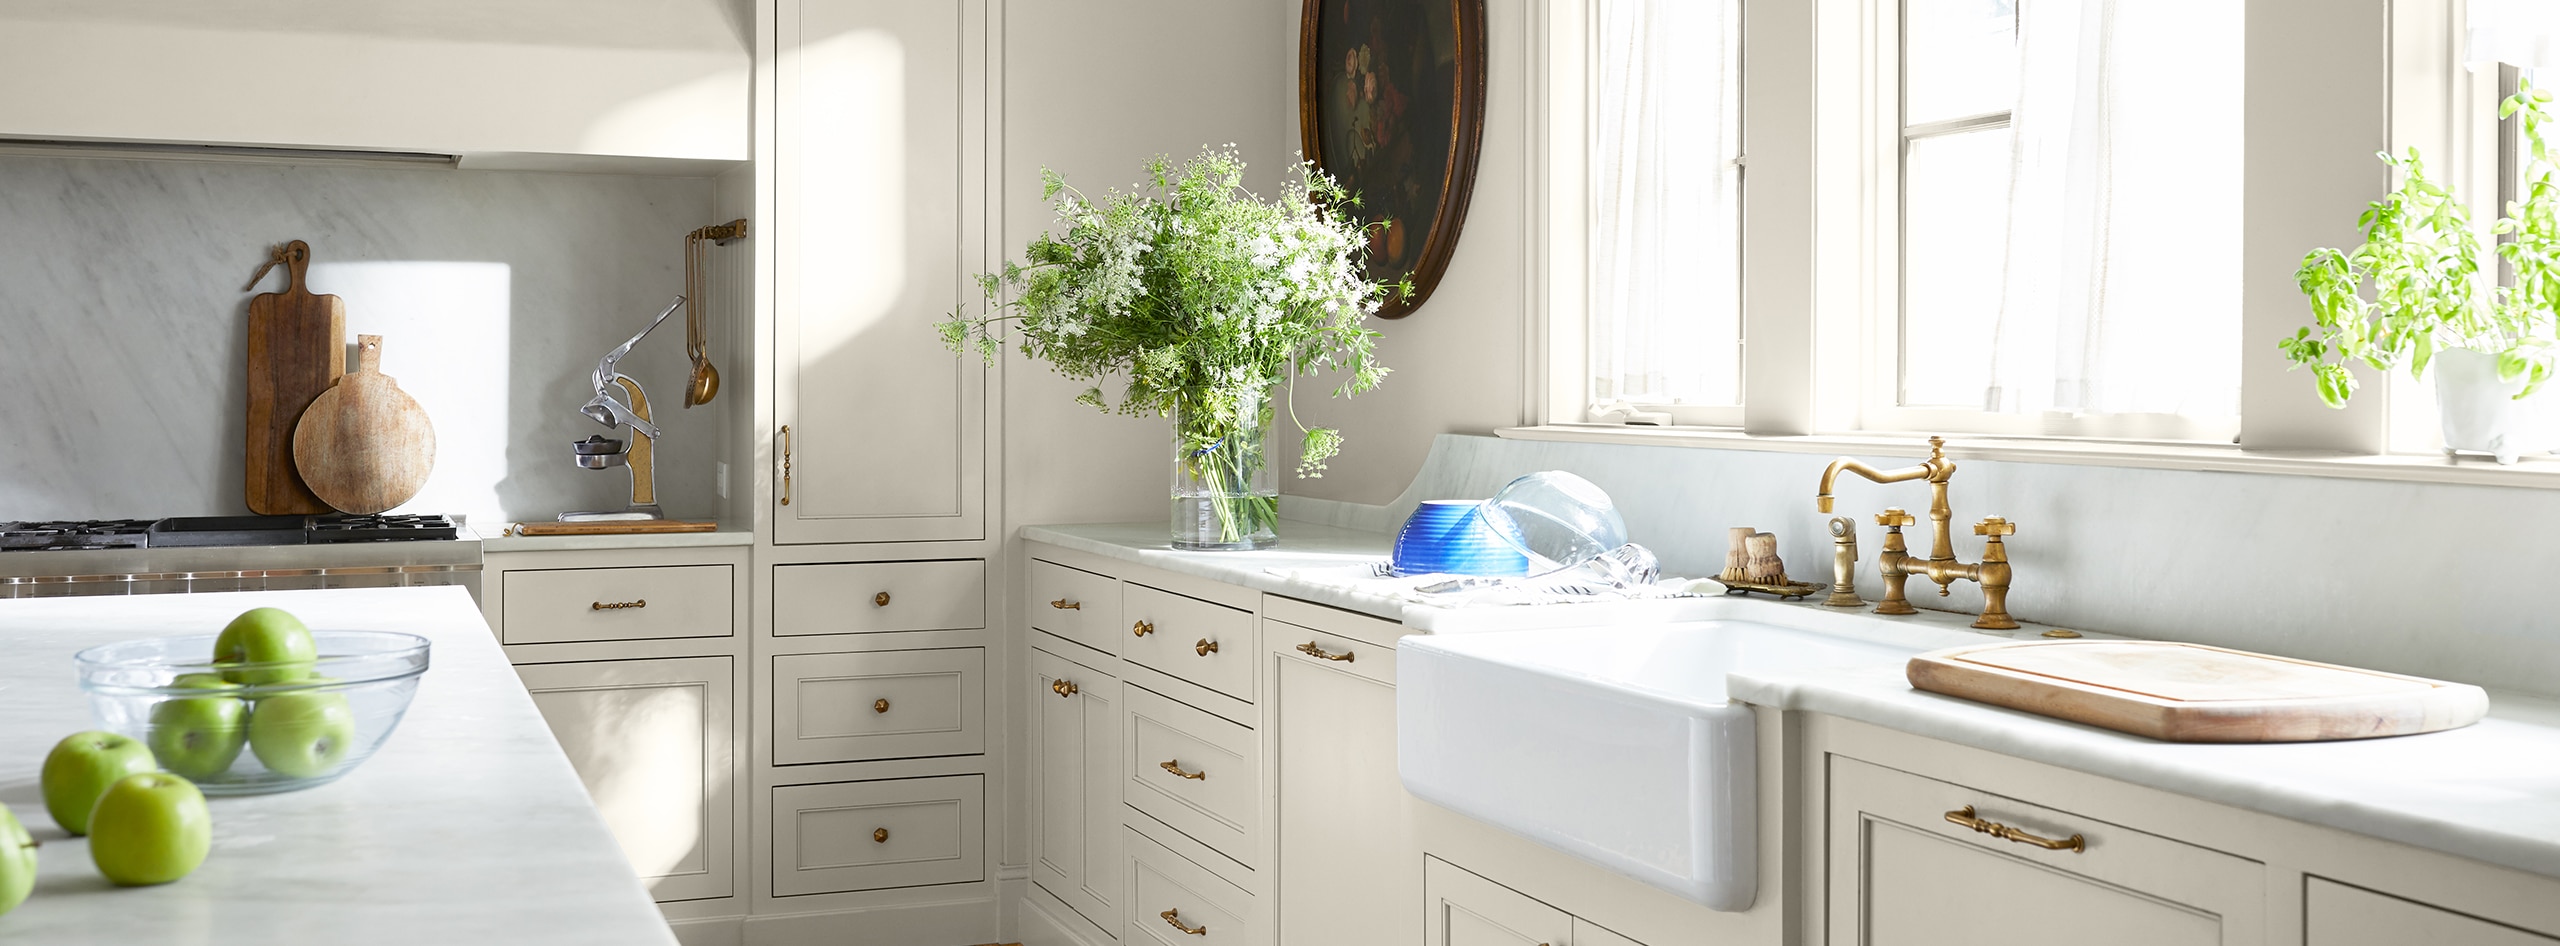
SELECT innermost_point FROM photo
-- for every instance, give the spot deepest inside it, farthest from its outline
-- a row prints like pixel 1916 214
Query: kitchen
pixel 870 642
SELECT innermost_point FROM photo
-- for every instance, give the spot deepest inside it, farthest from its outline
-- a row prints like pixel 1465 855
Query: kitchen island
pixel 467 827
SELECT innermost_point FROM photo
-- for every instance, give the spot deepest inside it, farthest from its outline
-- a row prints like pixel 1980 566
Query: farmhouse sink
pixel 1614 744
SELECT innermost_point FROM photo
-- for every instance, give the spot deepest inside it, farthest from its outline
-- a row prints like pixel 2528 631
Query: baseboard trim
pixel 710 931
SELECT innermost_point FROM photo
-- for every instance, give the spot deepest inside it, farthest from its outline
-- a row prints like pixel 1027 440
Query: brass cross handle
pixel 879 835
pixel 1895 517
pixel 1063 604
pixel 880 705
pixel 1175 767
pixel 1995 527
pixel 1964 816
pixel 880 600
pixel 1205 647
pixel 1175 917
pixel 1063 687
pixel 1142 628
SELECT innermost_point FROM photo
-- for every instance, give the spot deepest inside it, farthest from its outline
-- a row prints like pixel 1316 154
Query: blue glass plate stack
pixel 1446 537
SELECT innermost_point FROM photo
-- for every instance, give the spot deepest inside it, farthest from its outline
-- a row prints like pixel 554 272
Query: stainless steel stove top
pixel 234 553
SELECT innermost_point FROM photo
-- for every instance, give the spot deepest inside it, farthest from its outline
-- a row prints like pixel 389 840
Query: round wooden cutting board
pixel 365 446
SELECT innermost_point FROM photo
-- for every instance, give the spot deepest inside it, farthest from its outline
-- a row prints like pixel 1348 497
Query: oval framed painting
pixel 1391 103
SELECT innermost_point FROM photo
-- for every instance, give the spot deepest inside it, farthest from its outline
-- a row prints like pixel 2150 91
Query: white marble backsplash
pixel 2448 581
pixel 123 372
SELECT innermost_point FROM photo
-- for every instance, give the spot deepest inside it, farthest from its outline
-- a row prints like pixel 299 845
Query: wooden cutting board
pixel 2194 693
pixel 297 349
pixel 365 446
pixel 616 527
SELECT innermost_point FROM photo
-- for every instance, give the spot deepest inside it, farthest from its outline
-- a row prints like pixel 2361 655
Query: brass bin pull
pixel 618 605
pixel 880 705
pixel 1063 688
pixel 1205 647
pixel 1142 628
pixel 1175 917
pixel 1063 604
pixel 879 835
pixel 1310 649
pixel 1175 768
pixel 1964 816
pixel 880 600
pixel 786 464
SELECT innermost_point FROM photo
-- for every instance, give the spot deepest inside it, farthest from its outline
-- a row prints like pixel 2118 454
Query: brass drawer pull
pixel 1175 917
pixel 1142 628
pixel 786 464
pixel 1176 769
pixel 1310 649
pixel 1063 604
pixel 1205 647
pixel 1063 687
pixel 1964 816
pixel 880 705
pixel 617 605
pixel 880 600
pixel 879 835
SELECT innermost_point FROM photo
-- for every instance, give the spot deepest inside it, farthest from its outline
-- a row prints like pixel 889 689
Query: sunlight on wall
pixel 673 120
pixel 858 257
pixel 436 318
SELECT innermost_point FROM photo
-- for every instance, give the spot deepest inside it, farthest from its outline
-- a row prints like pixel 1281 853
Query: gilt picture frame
pixel 1391 103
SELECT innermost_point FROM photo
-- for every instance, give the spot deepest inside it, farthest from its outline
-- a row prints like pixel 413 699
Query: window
pixel 2069 220
pixel 1663 203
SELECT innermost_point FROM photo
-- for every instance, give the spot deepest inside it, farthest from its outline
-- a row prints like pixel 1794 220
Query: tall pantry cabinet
pixel 875 726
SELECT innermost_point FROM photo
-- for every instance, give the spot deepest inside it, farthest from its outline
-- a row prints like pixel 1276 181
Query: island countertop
pixel 468 826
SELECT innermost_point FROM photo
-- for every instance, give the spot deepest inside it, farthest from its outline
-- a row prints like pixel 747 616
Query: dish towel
pixel 1373 580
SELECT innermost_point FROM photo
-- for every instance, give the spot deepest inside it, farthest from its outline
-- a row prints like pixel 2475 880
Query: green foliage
pixel 2414 287
pixel 1198 293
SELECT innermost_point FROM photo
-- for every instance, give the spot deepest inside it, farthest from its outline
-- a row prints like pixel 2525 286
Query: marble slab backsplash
pixel 124 371
pixel 2441 580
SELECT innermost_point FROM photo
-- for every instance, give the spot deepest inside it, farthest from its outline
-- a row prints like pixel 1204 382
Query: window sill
pixel 2532 472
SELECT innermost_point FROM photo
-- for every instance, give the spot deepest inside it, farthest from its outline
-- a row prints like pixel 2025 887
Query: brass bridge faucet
pixel 1897 564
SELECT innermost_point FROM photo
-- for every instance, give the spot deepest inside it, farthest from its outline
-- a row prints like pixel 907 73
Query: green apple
pixel 302 734
pixel 17 861
pixel 275 645
pixel 80 768
pixel 150 828
pixel 199 736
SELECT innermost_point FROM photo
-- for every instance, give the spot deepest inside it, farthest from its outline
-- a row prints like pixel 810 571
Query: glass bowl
pixel 256 739
pixel 1557 519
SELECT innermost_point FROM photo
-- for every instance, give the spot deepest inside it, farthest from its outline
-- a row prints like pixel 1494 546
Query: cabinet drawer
pixel 2339 915
pixel 1207 644
pixel 894 704
pixel 871 835
pixel 1196 772
pixel 1166 889
pixel 560 605
pixel 1377 662
pixel 876 597
pixel 1077 605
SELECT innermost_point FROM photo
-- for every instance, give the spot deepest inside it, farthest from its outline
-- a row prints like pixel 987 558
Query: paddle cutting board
pixel 365 446
pixel 2194 693
pixel 297 349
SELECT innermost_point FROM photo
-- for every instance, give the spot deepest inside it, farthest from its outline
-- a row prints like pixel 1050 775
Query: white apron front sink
pixel 1613 744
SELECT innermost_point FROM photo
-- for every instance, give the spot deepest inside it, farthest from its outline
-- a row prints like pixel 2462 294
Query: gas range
pixel 234 553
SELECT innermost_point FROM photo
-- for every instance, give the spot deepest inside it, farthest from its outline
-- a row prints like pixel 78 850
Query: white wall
pixel 495 293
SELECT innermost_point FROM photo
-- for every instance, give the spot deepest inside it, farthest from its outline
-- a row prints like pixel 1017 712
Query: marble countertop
pixel 2489 791
pixel 467 827
pixel 1302 545
pixel 497 541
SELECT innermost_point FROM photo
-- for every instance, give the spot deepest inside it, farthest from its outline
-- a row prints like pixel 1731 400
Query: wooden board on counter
pixel 297 350
pixel 2193 693
pixel 615 527
pixel 364 446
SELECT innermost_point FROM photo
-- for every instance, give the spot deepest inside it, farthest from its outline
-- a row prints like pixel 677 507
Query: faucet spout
pixel 1822 495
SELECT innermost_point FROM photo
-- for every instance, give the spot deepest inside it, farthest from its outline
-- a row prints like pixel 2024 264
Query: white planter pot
pixel 2480 413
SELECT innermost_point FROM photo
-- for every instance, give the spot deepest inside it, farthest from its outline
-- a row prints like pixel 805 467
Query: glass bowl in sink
pixel 1556 519
pixel 249 739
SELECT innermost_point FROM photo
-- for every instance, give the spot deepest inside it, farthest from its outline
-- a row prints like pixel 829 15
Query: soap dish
pixel 1789 591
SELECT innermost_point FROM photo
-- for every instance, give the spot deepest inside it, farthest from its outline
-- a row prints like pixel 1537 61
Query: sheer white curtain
pixel 1665 201
pixel 2522 33
pixel 2120 285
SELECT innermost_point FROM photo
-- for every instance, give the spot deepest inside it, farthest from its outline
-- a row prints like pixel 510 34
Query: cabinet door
pixel 1467 910
pixel 1344 840
pixel 1075 772
pixel 1902 874
pixel 879 167
pixel 2335 914
pixel 652 741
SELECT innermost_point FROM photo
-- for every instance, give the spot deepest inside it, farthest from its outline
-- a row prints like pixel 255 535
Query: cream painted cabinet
pixel 1075 772
pixel 879 222
pixel 1346 862
pixel 652 741
pixel 1902 873
pixel 1463 909
pixel 2336 914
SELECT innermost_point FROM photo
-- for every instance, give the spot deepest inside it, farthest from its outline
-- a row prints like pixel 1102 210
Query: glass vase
pixel 1225 496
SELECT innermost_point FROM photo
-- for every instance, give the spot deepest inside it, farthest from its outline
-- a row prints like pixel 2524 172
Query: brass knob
pixel 1205 647
pixel 1995 527
pixel 1063 687
pixel 879 835
pixel 880 600
pixel 1142 628
pixel 880 705
pixel 1063 604
pixel 1895 517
